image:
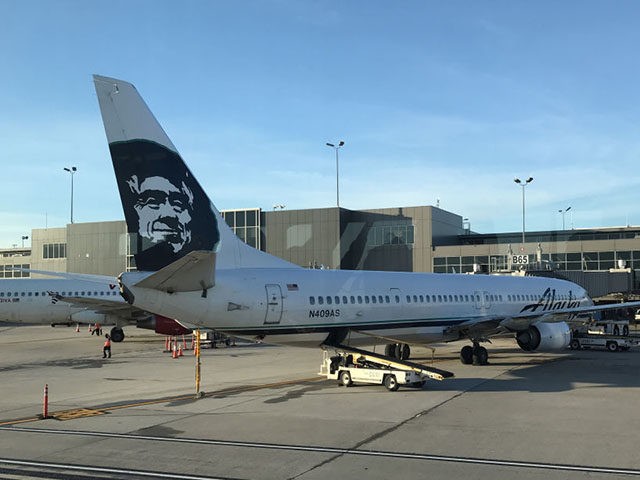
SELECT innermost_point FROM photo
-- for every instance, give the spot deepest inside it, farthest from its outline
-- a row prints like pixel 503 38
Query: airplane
pixel 76 298
pixel 192 266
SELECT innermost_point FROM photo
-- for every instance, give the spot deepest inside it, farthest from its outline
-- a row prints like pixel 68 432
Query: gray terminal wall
pixel 97 248
pixel 391 239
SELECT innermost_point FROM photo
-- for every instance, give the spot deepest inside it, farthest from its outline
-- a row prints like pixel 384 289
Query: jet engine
pixel 544 337
pixel 163 325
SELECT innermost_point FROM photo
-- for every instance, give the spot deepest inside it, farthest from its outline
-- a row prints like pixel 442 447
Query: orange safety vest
pixel 107 342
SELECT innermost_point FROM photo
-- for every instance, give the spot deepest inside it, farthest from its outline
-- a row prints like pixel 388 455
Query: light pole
pixel 336 148
pixel 563 212
pixel 24 237
pixel 523 185
pixel 72 171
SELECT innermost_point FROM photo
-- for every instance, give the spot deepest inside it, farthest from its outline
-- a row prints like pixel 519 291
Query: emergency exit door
pixel 274 304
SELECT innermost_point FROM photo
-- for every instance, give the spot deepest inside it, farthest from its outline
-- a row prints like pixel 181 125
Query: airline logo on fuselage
pixel 9 300
pixel 547 302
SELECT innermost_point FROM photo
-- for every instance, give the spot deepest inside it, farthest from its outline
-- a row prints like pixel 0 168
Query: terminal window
pixel 54 250
pixel 12 271
pixel 245 224
pixel 390 234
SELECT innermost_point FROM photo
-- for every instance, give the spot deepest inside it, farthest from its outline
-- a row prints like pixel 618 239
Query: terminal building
pixel 411 239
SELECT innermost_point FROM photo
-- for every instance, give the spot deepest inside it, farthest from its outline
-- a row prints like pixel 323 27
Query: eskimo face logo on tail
pixel 164 210
pixel 163 204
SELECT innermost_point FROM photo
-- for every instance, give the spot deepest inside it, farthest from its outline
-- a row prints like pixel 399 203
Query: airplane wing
pixel 103 306
pixel 127 314
pixel 494 325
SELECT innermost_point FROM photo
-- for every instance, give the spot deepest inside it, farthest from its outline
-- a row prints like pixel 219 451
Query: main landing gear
pixel 401 351
pixel 117 335
pixel 476 355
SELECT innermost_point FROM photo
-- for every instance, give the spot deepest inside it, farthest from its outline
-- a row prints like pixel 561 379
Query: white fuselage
pixel 301 307
pixel 30 301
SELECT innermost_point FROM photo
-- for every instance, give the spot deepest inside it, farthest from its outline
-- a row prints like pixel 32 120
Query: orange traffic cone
pixel 180 354
pixel 166 344
pixel 174 352
pixel 77 327
pixel 89 330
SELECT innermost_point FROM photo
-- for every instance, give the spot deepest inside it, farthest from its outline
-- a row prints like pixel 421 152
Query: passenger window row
pixel 386 299
pixel 64 294
pixel 354 299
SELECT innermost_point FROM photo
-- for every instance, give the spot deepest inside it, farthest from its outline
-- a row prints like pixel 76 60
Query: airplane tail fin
pixel 168 214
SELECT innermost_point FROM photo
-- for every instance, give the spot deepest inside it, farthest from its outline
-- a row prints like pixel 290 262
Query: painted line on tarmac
pixel 77 413
pixel 338 451
pixel 69 414
pixel 108 470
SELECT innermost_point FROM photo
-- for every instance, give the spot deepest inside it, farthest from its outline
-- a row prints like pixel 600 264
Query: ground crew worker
pixel 106 350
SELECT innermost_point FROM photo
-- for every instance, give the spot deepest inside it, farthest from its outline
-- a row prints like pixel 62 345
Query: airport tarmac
pixel 267 415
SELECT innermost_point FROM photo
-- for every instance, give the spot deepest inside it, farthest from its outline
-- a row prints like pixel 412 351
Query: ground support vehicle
pixel 351 365
pixel 211 339
pixel 610 342
pixel 610 327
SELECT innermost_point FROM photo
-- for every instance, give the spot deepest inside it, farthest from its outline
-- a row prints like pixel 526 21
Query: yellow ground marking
pixel 77 413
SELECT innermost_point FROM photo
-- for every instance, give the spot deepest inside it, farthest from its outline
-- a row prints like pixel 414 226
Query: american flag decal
pixel 292 287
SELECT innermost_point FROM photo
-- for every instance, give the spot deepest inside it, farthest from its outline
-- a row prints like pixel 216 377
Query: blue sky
pixel 436 101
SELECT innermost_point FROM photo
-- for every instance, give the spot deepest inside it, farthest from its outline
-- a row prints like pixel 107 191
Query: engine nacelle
pixel 544 337
pixel 163 325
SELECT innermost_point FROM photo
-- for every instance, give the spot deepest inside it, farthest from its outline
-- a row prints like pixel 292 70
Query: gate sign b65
pixel 520 259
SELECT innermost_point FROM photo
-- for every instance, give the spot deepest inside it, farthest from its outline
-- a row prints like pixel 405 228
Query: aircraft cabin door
pixel 274 304
pixel 482 300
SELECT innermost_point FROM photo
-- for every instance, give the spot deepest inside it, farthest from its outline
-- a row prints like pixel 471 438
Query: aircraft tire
pixel 406 351
pixel 117 335
pixel 389 349
pixel 466 355
pixel 345 379
pixel 574 345
pixel 480 356
pixel 612 346
pixel 391 383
